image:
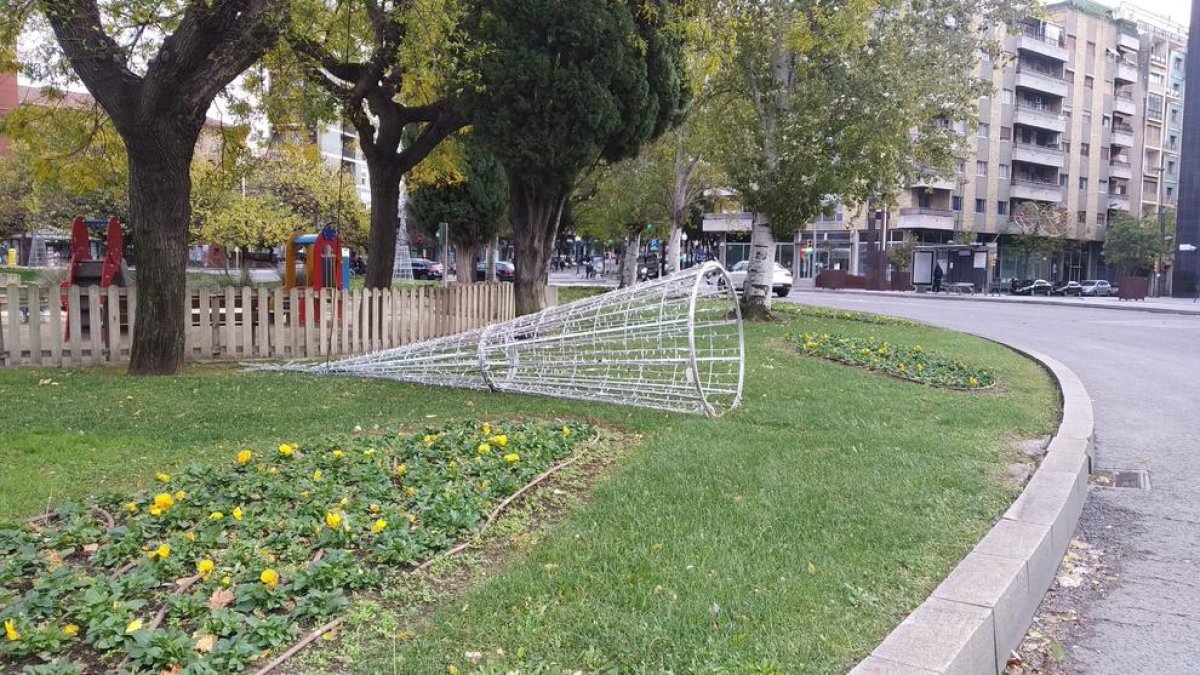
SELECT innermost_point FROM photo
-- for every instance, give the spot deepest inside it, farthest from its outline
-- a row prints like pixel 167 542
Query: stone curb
pixel 981 612
pixel 1131 306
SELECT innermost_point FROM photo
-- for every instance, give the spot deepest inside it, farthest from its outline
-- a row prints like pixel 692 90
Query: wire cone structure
pixel 675 343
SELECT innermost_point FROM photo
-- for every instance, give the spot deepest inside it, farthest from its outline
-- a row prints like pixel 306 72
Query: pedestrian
pixel 937 278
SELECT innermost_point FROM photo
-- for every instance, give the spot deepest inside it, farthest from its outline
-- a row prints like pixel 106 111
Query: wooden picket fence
pixel 242 323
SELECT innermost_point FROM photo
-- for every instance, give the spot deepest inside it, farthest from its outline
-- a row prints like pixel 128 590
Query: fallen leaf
pixel 91 548
pixel 220 598
pixel 206 643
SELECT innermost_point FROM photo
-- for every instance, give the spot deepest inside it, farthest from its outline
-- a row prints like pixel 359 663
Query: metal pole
pixel 1159 274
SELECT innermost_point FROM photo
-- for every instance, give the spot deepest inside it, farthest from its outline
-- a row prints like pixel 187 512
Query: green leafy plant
pixel 905 362
pixel 221 564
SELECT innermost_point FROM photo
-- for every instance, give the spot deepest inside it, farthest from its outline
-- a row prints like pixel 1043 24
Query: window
pixel 1066 147
pixel 1105 121
pixel 1002 171
pixel 1101 218
pixel 1082 216
pixel 1102 187
pixel 1174 115
pixel 1091 51
pixel 1157 79
pixel 1170 192
pixel 1104 154
pixel 980 206
pixel 1085 150
pixel 1001 208
pixel 1173 139
pixel 1083 182
pixel 956 203
pixel 1088 80
pixel 1006 96
pixel 1063 179
pixel 1154 106
pixel 984 129
pixel 1087 117
pixel 960 167
pixel 1006 133
pixel 980 168
pixel 1171 167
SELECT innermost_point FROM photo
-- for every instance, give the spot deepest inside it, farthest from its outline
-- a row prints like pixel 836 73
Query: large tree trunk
pixel 493 250
pixel 385 218
pixel 629 258
pixel 757 292
pixel 160 185
pixel 673 244
pixel 536 211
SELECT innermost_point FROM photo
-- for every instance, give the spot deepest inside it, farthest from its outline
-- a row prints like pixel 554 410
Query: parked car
pixel 1037 287
pixel 1095 288
pixel 1068 288
pixel 505 271
pixel 426 270
pixel 650 264
pixel 781 282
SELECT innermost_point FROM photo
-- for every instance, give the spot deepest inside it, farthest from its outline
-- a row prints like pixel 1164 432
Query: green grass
pixel 572 293
pixel 27 275
pixel 789 536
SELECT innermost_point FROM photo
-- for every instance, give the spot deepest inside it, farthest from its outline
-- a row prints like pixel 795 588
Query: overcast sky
pixel 1175 9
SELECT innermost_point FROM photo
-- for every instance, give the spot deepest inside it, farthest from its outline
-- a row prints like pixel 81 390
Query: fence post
pixel 14 325
pixel 54 305
pixel 114 324
pixel 35 324
pixel 95 325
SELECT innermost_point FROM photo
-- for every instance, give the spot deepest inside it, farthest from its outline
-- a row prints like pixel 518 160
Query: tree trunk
pixel 674 235
pixel 493 251
pixel 159 214
pixel 466 263
pixel 629 258
pixel 536 211
pixel 385 218
pixel 757 292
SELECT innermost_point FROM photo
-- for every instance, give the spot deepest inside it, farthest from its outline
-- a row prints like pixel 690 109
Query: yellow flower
pixel 501 440
pixel 379 526
pixel 318 474
pixel 244 457
pixel 432 438
pixel 566 432
pixel 410 492
pixel 10 630
pixel 131 507
pixel 412 519
pixel 484 448
pixel 375 508
pixel 270 578
pixel 286 450
pixel 512 458
pixel 70 630
pixel 159 553
pixel 133 627
pixel 453 464
pixel 487 429
pixel 205 567
pixel 369 452
pixel 401 470
pixel 451 669
pixel 974 381
pixel 190 536
pixel 345 501
pixel 162 477
pixel 333 520
pixel 216 515
pixel 237 513
pixel 225 580
pixel 155 511
pixel 180 496
pixel 163 501
pixel 338 454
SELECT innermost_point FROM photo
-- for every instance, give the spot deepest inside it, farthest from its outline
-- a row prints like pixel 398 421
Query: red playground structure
pixel 84 270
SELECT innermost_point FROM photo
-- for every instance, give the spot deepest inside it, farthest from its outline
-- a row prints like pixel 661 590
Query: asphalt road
pixel 1143 373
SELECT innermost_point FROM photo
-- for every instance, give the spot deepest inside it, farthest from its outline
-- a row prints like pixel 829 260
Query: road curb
pixel 1131 306
pixel 980 613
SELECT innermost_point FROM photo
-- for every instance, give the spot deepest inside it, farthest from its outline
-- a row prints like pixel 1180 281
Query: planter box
pixel 1133 288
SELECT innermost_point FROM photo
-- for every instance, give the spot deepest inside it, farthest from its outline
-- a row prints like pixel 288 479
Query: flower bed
pixel 220 565
pixel 909 363
pixel 844 315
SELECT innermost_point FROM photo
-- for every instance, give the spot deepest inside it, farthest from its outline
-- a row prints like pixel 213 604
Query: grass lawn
pixel 789 536
pixel 572 293
pixel 25 274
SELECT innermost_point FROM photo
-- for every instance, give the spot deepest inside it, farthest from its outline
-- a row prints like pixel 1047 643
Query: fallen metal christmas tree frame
pixel 675 344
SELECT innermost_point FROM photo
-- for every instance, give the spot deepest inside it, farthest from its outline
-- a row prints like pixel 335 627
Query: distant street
pixel 1143 373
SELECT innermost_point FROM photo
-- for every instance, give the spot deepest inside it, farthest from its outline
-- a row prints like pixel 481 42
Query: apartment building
pixel 1085 115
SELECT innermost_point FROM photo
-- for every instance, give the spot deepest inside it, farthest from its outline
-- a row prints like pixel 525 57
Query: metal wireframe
pixel 675 344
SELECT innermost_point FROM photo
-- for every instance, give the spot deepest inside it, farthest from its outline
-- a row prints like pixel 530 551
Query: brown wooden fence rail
pixel 242 323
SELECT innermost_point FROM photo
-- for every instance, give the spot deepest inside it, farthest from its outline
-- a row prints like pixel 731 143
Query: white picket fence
pixel 242 323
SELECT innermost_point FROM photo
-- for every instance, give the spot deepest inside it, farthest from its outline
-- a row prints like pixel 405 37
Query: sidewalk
pixel 1151 305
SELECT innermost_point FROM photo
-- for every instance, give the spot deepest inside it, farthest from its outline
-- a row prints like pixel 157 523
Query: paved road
pixel 1143 373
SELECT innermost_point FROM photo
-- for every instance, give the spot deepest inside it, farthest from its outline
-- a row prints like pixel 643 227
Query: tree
pixel 380 85
pixel 1132 246
pixel 15 185
pixel 473 208
pixel 1039 227
pixel 561 86
pixel 623 202
pixel 157 99
pixel 825 104
pixel 901 256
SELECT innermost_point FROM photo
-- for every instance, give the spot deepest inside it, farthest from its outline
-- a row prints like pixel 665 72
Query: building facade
pixel 1085 117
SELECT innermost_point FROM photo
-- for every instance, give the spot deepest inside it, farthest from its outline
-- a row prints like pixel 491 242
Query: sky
pixel 1177 10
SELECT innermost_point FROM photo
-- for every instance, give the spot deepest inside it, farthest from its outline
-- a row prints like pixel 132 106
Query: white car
pixel 781 281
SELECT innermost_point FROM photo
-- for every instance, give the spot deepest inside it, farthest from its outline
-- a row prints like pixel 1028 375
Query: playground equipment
pixel 85 270
pixel 674 344
pixel 325 265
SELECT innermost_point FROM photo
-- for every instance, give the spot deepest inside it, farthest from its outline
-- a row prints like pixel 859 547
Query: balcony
pixel 1120 169
pixel 1039 117
pixel 1042 81
pixel 1038 43
pixel 1035 190
pixel 1128 41
pixel 1123 104
pixel 927 219
pixel 935 183
pixel 1118 202
pixel 1126 73
pixel 1122 136
pixel 1045 155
